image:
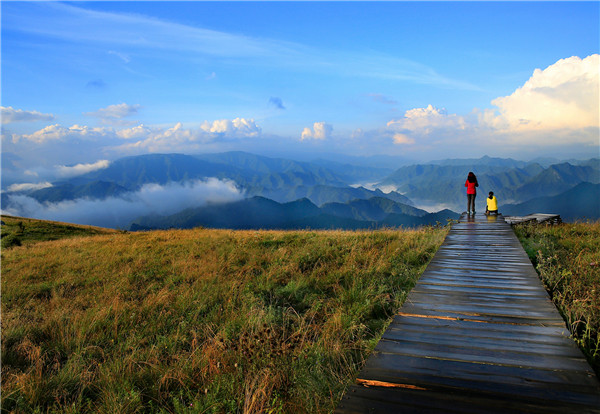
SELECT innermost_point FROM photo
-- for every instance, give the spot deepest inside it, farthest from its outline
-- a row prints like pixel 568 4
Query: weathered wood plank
pixel 477 334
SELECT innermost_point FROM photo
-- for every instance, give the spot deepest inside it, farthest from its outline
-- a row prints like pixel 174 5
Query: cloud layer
pixel 119 212
pixel 557 106
pixel 114 114
pixel 10 115
pixel 79 169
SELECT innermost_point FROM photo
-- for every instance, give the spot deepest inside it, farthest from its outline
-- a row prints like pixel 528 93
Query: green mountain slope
pixel 579 203
pixel 262 213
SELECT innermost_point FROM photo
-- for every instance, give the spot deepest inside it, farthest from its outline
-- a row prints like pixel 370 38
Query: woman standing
pixel 471 184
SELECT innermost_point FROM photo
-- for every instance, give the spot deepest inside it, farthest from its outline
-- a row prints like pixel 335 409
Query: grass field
pixel 567 258
pixel 200 321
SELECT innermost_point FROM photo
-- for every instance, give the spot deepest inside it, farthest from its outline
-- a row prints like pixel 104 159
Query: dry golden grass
pixel 199 320
pixel 567 257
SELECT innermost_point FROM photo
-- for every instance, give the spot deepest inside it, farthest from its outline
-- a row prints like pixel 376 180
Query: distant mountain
pixel 68 191
pixel 483 161
pixel 557 179
pixel 133 172
pixel 444 184
pixel 511 181
pixel 278 179
pixel 390 162
pixel 262 213
pixel 355 173
pixel 322 194
pixel 581 202
pixel 373 209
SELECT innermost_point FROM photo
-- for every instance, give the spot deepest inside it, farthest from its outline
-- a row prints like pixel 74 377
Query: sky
pixel 85 83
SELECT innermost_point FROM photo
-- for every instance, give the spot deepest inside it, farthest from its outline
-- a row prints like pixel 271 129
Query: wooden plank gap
pixel 454 318
pixel 374 383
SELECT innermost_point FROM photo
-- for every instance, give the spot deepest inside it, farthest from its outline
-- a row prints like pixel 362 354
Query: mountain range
pixel 342 193
pixel 263 213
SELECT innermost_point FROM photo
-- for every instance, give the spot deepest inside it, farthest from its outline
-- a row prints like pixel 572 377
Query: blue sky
pixel 84 83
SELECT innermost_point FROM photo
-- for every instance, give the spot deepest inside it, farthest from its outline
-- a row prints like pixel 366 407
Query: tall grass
pixel 201 321
pixel 567 258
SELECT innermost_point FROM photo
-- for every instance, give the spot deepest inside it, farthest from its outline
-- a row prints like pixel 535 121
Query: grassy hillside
pixel 567 257
pixel 205 321
pixel 17 231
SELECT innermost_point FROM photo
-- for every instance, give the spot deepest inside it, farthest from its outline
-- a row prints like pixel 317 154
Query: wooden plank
pixel 423 372
pixel 479 334
pixel 539 332
pixel 481 356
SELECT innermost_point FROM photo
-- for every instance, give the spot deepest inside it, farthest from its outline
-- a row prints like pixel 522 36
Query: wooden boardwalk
pixel 477 334
pixel 538 218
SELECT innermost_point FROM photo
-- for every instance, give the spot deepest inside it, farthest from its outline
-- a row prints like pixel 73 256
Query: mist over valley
pixel 247 191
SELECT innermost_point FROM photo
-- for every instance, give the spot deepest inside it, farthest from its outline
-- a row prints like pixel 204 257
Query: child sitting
pixel 492 205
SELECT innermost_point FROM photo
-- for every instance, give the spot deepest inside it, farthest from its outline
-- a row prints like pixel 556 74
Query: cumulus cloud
pixel 10 115
pixel 71 171
pixel 419 123
pixel 182 139
pixel 239 127
pixel 114 114
pixel 28 186
pixel 564 95
pixel 276 102
pixel 142 138
pixel 58 132
pixel 320 131
pixel 136 132
pixel 120 212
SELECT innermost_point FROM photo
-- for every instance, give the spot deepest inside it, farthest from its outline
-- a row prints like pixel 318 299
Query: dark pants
pixel 471 202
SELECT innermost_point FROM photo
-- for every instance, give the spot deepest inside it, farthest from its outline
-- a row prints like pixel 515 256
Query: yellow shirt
pixel 492 203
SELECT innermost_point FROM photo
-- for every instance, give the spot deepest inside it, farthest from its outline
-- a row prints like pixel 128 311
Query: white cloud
pixel 424 121
pixel 58 133
pixel 114 114
pixel 239 127
pixel 28 186
pixel 10 115
pixel 320 131
pixel 565 95
pixel 403 139
pixel 181 139
pixel 136 132
pixel 119 212
pixel 65 171
pixel 421 123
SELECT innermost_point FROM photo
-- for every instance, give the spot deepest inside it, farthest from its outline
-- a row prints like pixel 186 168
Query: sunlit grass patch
pixel 200 320
pixel 567 257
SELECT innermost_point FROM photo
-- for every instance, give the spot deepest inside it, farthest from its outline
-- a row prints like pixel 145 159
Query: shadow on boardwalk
pixel 477 334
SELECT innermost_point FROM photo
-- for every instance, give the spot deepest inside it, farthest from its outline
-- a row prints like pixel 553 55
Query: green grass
pixel 201 321
pixel 567 258
pixel 17 231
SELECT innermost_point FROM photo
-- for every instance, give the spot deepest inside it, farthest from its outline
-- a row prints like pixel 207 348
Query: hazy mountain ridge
pixel 328 186
pixel 581 202
pixel 263 213
pixel 511 182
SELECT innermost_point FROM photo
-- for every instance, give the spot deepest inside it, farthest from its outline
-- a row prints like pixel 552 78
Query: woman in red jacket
pixel 471 184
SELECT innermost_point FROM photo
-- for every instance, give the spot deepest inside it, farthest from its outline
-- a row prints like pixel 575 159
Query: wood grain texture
pixel 477 334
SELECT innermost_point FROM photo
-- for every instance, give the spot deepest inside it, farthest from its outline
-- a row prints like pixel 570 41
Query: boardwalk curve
pixel 477 334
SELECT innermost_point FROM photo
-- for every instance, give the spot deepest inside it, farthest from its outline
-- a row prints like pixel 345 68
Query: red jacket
pixel 471 187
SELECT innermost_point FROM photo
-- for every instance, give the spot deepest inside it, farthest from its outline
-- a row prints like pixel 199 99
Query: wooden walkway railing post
pixel 477 334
